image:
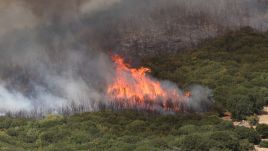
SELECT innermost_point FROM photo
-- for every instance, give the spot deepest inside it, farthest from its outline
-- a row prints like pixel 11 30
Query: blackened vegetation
pixel 166 107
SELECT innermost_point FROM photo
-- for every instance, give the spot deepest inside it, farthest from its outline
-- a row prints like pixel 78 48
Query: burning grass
pixel 135 88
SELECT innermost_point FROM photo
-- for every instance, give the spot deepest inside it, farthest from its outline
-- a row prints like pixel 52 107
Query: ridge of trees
pixel 234 66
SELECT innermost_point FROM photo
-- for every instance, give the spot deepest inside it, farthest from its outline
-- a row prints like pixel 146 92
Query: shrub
pixel 211 119
pixel 264 144
pixel 80 137
pixel 63 146
pixel 262 129
pixel 240 106
pixel 244 145
pixel 7 139
pixel 195 142
pixel 253 119
pixel 51 120
pixel 136 126
pixel 5 122
pixel 224 125
pixel 225 139
pixel 18 122
pixel 145 147
pixel 187 129
pixel 258 101
pixel 12 132
pixel 250 134
pixel 31 136
pixel 53 135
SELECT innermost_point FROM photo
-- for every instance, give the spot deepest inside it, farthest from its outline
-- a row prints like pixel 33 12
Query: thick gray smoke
pixel 54 52
pixel 43 65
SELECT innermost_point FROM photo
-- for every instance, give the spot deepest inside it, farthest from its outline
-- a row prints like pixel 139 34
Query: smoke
pixel 97 5
pixel 13 101
pixel 54 53
pixel 15 17
pixel 201 99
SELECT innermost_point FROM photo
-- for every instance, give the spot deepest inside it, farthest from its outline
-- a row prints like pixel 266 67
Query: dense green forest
pixel 234 66
pixel 125 130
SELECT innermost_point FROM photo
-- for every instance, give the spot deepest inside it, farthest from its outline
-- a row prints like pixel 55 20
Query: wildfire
pixel 134 87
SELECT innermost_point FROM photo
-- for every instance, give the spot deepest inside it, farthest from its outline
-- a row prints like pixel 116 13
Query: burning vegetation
pixel 128 88
pixel 133 87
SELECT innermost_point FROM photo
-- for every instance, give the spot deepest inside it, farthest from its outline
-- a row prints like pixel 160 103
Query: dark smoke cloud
pixel 54 52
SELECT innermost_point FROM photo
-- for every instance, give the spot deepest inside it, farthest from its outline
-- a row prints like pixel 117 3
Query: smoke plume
pixel 54 53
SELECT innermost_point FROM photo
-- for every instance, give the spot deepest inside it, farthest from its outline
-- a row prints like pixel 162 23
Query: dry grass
pixel 263 118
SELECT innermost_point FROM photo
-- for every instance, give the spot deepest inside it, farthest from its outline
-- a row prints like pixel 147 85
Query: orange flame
pixel 134 87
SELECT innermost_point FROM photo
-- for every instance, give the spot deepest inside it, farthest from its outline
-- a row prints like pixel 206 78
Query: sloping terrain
pixel 234 66
pixel 126 130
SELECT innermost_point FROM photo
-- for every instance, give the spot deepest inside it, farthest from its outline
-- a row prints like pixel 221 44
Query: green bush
pixel 6 139
pixel 31 136
pixel 240 106
pixel 262 129
pixel 5 122
pixel 187 129
pixel 51 121
pixel 245 145
pixel 250 134
pixel 225 139
pixel 264 144
pixel 224 125
pixel 253 119
pixel 80 137
pixel 60 147
pixel 130 131
pixel 12 132
pixel 136 126
pixel 53 135
pixel 197 142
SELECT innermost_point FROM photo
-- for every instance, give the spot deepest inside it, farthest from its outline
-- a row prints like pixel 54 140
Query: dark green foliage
pixel 136 126
pixel 253 119
pixel 240 106
pixel 262 129
pixel 264 144
pixel 225 139
pixel 234 66
pixel 225 125
pixel 126 130
pixel 250 134
pixel 5 122
pixel 53 135
pixel 245 145
pixel 196 142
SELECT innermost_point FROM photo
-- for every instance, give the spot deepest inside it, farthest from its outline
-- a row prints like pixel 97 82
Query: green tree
pixel 262 129
pixel 250 134
pixel 240 106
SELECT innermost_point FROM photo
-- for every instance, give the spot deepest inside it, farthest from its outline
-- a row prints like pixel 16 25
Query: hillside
pixel 234 66
pixel 133 75
pixel 126 130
